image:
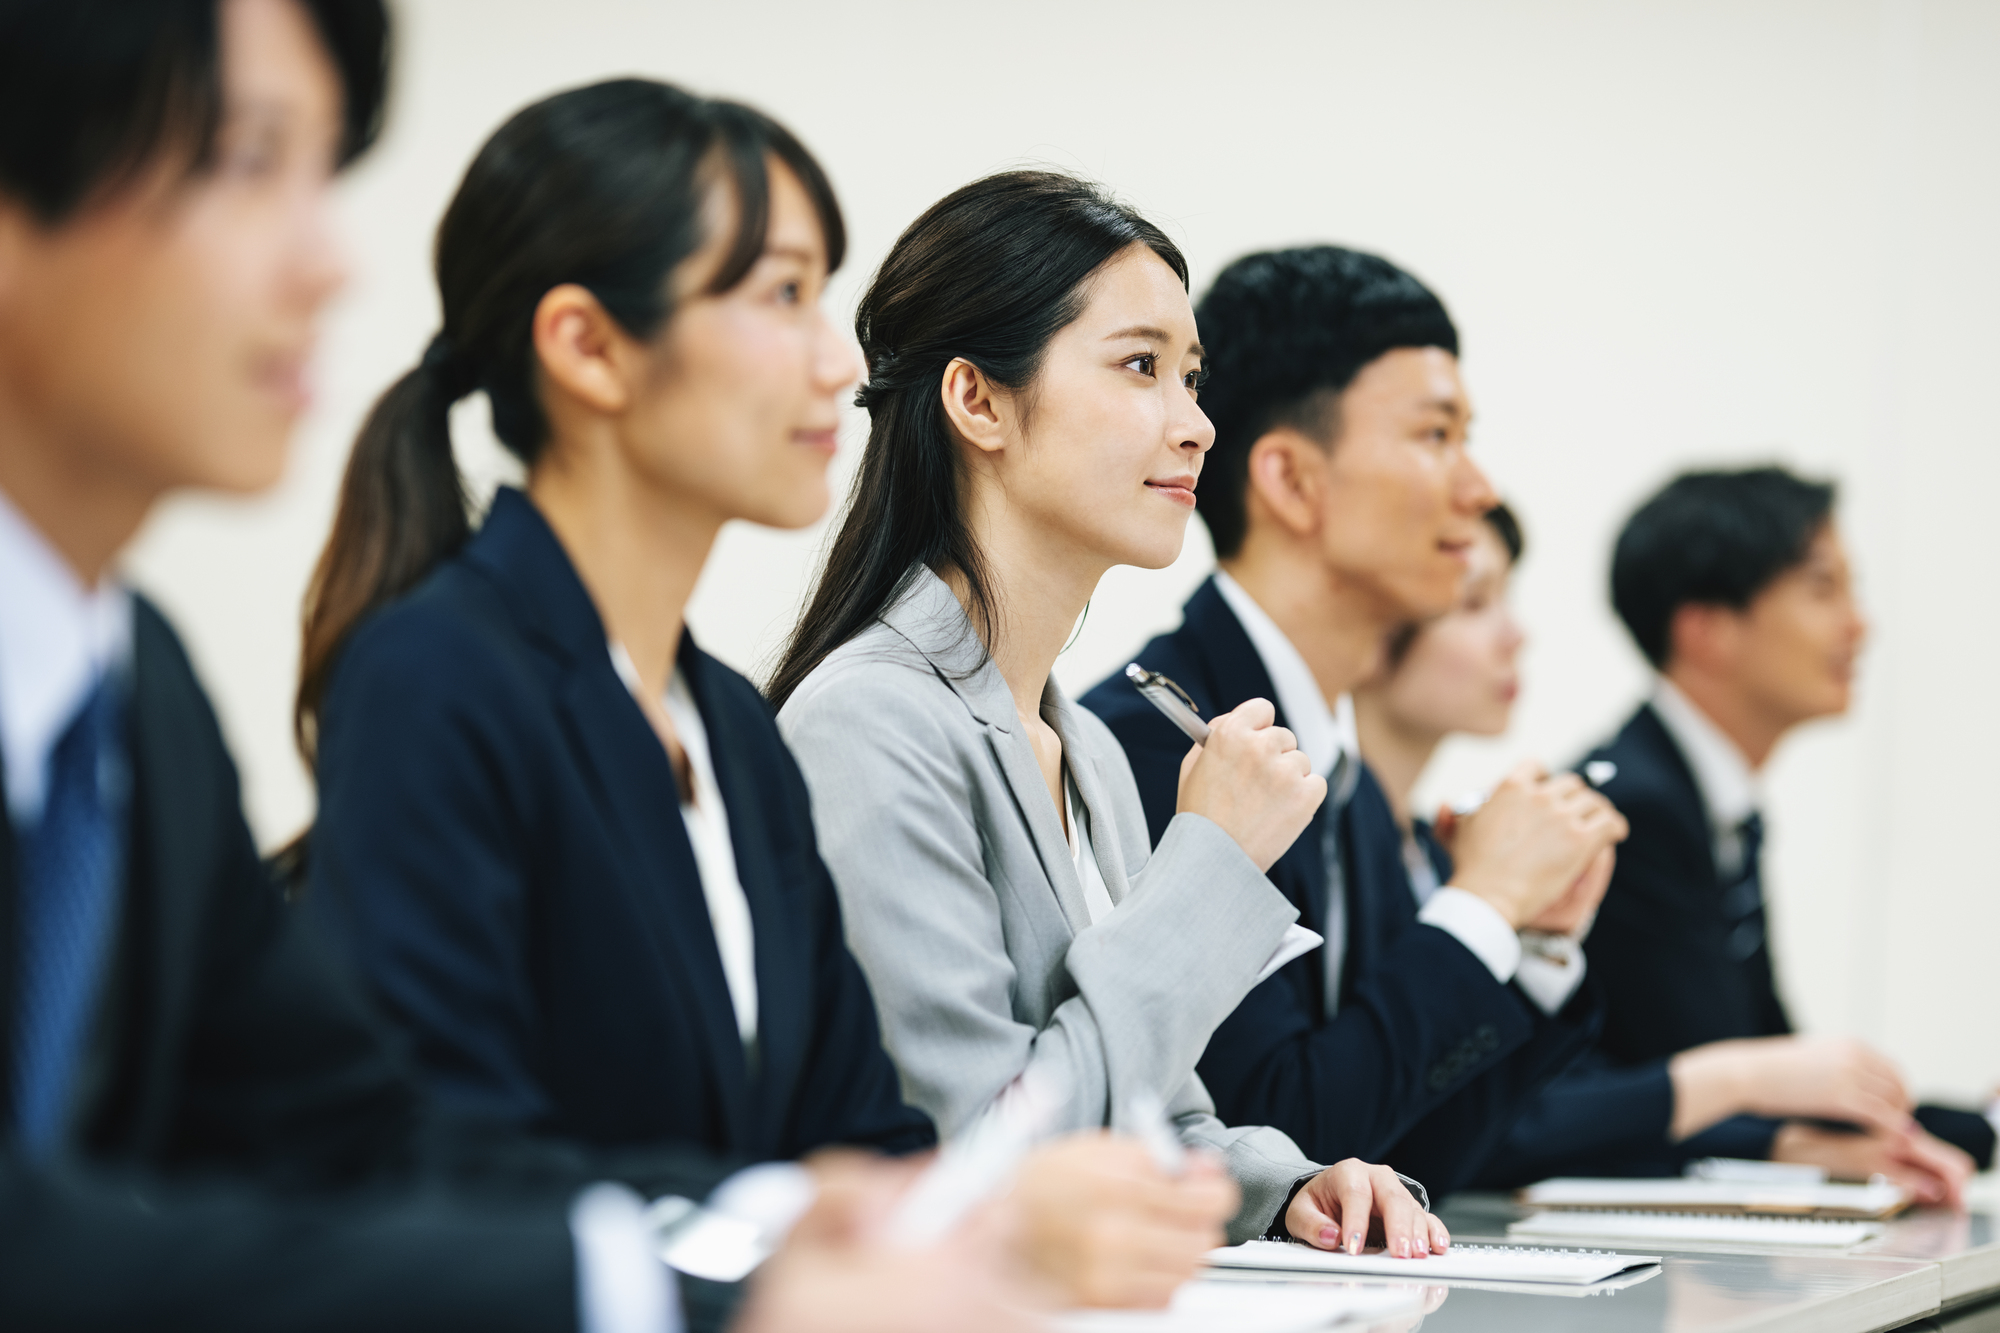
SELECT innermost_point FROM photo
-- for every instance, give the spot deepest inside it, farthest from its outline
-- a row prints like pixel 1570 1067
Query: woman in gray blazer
pixel 1033 374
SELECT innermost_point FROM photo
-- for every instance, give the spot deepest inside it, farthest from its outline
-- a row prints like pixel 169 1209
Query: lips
pixel 826 441
pixel 1178 489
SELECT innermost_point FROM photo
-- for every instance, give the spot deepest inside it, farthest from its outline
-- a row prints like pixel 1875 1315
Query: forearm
pixel 1710 1085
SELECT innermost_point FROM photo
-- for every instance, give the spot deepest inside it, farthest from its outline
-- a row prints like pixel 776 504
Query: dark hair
pixel 601 186
pixel 990 273
pixel 1711 538
pixel 94 92
pixel 1288 330
pixel 1508 529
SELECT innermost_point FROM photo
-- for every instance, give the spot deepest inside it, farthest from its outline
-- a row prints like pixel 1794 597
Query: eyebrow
pixel 799 253
pixel 1157 335
pixel 1448 406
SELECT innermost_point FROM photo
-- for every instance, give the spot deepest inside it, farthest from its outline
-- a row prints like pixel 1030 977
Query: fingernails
pixel 1354 1242
pixel 1330 1236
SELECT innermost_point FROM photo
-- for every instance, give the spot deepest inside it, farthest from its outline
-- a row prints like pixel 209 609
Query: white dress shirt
pixel 1326 731
pixel 707 821
pixel 57 639
pixel 1730 789
pixel 1096 895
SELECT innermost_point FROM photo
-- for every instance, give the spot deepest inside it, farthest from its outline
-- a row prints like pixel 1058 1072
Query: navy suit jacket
pixel 1428 1058
pixel 1656 954
pixel 500 828
pixel 234 1047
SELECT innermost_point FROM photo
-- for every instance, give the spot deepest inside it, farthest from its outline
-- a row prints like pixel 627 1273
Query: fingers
pixel 1440 1237
pixel 1356 1195
pixel 1945 1167
pixel 1309 1222
pixel 1252 714
pixel 1405 1230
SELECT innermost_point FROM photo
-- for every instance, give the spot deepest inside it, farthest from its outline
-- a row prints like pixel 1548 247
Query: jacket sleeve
pixel 89 1253
pixel 421 854
pixel 895 804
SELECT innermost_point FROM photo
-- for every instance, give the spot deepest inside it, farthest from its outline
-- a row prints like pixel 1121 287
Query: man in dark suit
pixel 1342 505
pixel 1736 587
pixel 202 1123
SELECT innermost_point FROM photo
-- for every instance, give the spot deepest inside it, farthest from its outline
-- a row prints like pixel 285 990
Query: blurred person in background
pixel 1344 504
pixel 204 1124
pixel 1737 588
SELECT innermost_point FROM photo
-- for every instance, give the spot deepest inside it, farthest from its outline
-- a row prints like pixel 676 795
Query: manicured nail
pixel 1423 1248
pixel 1354 1241
pixel 1330 1236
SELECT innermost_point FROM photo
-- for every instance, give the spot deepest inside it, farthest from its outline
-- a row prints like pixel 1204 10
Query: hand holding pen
pixel 1244 773
pixel 1538 850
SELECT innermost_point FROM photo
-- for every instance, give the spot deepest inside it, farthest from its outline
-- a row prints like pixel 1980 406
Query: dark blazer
pixel 500 830
pixel 1428 1057
pixel 1657 954
pixel 234 1044
pixel 1659 941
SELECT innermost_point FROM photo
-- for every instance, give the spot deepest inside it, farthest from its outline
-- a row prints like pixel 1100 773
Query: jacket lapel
pixel 928 614
pixel 1092 787
pixel 784 948
pixel 632 780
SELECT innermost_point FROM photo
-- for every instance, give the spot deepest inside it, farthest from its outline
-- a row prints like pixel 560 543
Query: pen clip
pixel 1145 679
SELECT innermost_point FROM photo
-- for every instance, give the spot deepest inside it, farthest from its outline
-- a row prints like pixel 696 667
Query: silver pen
pixel 1170 699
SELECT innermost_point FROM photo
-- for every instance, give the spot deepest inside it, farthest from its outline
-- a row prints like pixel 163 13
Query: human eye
pixel 1194 379
pixel 1146 363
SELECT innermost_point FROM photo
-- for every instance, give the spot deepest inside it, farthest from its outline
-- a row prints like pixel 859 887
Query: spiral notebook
pixel 1472 1263
pixel 1861 1202
pixel 1652 1228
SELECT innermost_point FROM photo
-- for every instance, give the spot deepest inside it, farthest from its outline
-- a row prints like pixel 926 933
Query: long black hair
pixel 989 273
pixel 600 186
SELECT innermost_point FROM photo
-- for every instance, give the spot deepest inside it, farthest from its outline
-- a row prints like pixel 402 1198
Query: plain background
pixel 1672 233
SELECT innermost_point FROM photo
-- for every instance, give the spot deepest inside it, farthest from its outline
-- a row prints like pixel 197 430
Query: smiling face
pixel 161 336
pixel 1402 500
pixel 1099 458
pixel 1794 647
pixel 740 406
pixel 1459 673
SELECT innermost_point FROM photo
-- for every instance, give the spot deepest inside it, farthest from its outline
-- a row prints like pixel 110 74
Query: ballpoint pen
pixel 1170 699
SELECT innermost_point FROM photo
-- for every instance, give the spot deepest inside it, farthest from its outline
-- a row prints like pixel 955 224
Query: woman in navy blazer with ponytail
pixel 569 847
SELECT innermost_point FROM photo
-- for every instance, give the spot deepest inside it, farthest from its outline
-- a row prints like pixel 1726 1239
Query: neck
pixel 1751 729
pixel 1039 587
pixel 1396 752
pixel 1337 625
pixel 639 549
pixel 85 507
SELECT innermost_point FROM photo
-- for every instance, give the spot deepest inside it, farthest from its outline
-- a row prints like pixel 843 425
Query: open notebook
pixel 1478 1263
pixel 1737 1229
pixel 1720 1196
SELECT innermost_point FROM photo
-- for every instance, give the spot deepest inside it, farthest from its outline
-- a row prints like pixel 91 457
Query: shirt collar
pixel 1730 789
pixel 1325 731
pixel 57 638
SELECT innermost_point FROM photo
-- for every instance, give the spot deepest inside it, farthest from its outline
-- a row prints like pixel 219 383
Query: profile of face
pixel 1793 649
pixel 732 408
pixel 1459 672
pixel 169 326
pixel 1399 499
pixel 1099 458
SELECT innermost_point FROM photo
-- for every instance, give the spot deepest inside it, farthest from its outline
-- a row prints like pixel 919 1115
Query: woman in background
pixel 1033 368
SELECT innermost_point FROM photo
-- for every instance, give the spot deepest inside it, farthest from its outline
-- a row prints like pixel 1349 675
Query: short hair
pixel 1288 331
pixel 93 92
pixel 1508 529
pixel 1712 539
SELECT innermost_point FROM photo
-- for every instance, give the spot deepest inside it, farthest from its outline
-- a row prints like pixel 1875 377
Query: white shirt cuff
pixel 1478 925
pixel 621 1285
pixel 1551 970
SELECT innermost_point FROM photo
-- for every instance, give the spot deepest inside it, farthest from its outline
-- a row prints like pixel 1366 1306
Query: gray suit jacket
pixel 963 904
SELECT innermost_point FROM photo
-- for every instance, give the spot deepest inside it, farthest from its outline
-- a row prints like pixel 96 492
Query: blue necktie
pixel 71 864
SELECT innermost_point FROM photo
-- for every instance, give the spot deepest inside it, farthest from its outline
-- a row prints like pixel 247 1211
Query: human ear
pixel 1704 635
pixel 978 409
pixel 1288 479
pixel 582 350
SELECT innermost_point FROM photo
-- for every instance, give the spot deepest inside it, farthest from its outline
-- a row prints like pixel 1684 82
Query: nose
pixel 321 264
pixel 837 362
pixel 1472 490
pixel 1196 431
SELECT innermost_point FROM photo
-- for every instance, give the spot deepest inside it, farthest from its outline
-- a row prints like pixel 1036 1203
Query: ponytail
pixel 402 511
pixel 602 186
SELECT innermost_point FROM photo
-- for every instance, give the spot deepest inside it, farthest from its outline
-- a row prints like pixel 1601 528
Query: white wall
pixel 1672 232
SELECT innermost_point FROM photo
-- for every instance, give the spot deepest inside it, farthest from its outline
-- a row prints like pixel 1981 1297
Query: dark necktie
pixel 1339 790
pixel 1743 901
pixel 70 870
